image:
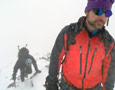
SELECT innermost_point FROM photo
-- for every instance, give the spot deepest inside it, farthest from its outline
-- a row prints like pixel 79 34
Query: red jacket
pixel 83 63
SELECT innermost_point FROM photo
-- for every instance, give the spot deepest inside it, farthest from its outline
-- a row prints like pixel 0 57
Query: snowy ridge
pixel 38 80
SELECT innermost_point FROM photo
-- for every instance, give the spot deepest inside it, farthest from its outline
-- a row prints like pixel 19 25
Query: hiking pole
pixel 26 45
pixel 60 73
pixel 18 47
pixel 15 83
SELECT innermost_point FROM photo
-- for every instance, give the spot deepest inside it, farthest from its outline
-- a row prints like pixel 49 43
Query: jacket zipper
pixel 86 64
pixel 92 60
pixel 80 59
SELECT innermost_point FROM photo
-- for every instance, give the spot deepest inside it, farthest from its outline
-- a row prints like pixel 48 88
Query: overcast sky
pixel 37 23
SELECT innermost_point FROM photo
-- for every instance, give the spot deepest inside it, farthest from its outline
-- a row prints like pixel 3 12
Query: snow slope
pixel 38 80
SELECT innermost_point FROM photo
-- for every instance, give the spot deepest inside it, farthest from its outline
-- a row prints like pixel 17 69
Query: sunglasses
pixel 101 11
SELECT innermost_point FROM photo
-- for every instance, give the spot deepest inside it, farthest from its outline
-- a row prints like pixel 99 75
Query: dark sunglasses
pixel 101 11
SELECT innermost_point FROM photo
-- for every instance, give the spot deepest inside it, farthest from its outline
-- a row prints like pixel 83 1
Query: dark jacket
pixel 21 64
pixel 95 65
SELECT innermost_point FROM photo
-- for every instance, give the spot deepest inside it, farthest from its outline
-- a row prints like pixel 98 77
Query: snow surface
pixel 38 80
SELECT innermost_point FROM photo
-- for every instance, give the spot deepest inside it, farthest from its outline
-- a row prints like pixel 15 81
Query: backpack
pixel 28 62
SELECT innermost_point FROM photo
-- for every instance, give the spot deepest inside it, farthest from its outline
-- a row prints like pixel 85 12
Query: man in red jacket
pixel 84 52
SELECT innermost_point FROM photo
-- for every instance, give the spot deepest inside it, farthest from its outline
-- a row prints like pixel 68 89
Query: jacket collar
pixel 82 24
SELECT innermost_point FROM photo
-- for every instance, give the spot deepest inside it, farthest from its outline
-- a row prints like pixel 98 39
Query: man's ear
pixel 86 13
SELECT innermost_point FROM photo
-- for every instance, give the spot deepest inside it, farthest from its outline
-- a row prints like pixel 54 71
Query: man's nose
pixel 103 16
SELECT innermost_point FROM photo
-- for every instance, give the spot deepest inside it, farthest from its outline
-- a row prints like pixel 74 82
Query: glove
pixel 51 85
pixel 38 71
pixel 14 77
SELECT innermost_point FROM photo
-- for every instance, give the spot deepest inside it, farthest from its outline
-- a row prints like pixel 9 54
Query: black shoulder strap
pixel 71 34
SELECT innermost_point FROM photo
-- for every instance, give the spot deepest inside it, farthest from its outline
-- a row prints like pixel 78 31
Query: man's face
pixel 94 21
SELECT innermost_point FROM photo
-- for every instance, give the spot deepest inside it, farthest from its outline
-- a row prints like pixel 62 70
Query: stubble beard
pixel 97 24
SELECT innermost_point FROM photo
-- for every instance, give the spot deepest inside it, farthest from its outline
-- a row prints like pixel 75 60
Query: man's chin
pixel 99 26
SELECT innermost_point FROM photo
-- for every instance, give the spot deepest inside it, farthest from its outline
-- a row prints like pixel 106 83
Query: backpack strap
pixel 71 34
pixel 68 40
pixel 74 28
pixel 66 48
